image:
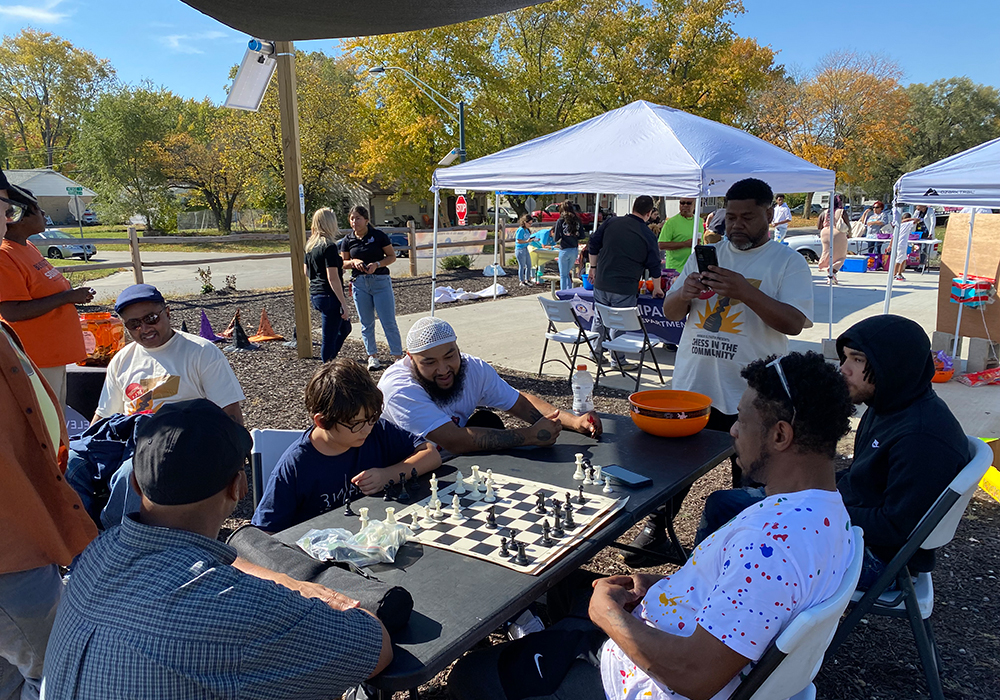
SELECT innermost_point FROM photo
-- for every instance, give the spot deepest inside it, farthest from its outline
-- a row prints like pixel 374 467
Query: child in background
pixel 350 447
pixel 521 239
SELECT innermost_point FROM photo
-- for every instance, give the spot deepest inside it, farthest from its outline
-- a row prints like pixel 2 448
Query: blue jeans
pixel 335 328
pixel 373 293
pixel 615 301
pixel 567 256
pixel 28 602
pixel 523 256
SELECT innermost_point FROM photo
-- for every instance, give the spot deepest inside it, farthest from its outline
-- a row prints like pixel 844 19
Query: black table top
pixel 458 600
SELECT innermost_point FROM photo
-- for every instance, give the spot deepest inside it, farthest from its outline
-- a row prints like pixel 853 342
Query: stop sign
pixel 461 209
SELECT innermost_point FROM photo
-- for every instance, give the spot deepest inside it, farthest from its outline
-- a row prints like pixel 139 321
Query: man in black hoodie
pixel 907 449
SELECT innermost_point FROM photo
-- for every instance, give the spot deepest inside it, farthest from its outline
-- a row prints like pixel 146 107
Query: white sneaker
pixel 373 363
pixel 527 623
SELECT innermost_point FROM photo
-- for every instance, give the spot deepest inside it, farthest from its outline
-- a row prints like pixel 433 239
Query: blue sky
pixel 172 45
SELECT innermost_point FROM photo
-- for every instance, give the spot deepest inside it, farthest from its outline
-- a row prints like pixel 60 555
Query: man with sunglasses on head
pixel 163 366
pixel 35 299
pixel 349 448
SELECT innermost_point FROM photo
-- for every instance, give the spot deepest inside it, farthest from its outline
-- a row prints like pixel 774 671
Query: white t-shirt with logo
pixel 744 584
pixel 141 380
pixel 721 336
pixel 408 405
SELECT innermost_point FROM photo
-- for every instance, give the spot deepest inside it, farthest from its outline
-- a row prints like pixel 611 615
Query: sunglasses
pixel 359 426
pixel 14 212
pixel 776 363
pixel 134 324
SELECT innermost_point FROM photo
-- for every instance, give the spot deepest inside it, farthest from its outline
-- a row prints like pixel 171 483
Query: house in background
pixel 50 189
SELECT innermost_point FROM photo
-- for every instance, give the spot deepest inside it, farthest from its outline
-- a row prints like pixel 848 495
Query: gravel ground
pixel 878 662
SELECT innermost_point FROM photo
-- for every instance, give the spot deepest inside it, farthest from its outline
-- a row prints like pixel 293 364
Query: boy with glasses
pixel 163 365
pixel 349 448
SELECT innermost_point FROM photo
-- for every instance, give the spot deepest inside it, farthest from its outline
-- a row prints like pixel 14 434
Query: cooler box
pixel 855 263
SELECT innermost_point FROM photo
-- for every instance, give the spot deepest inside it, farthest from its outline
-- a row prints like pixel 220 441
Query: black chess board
pixel 515 508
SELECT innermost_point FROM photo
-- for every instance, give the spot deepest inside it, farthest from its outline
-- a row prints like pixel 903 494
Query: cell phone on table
pixel 625 477
pixel 705 255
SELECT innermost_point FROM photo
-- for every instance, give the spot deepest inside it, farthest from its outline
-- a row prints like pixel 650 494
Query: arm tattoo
pixel 487 439
pixel 544 434
pixel 533 415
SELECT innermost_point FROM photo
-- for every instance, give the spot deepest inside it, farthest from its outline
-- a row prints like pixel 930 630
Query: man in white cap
pixel 435 391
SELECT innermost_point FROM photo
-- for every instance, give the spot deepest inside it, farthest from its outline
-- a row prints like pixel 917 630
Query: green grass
pixel 192 247
pixel 79 278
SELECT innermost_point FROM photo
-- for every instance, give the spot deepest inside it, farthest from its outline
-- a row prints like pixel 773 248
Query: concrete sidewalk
pixel 509 333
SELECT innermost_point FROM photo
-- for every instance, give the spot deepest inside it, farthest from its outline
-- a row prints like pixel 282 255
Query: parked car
pixel 506 215
pixel 811 248
pixel 400 241
pixel 550 214
pixel 53 243
pixel 815 209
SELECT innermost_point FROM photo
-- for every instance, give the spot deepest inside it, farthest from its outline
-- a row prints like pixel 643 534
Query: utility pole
pixel 461 131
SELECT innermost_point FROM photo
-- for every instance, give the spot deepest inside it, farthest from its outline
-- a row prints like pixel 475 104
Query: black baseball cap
pixel 188 451
pixel 4 182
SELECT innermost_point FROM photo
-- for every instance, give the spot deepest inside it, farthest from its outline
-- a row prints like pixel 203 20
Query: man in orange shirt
pixel 35 298
pixel 43 522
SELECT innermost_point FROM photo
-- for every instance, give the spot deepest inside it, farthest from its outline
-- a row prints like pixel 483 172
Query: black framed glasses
pixel 134 324
pixel 13 212
pixel 776 363
pixel 358 426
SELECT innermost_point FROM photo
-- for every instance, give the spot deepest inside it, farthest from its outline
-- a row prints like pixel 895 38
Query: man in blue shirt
pixel 159 608
pixel 350 448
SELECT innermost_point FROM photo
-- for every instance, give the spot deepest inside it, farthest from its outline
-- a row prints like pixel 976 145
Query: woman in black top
pixel 325 270
pixel 567 237
pixel 369 252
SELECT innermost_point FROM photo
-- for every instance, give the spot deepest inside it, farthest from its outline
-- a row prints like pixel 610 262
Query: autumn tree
pixel 46 85
pixel 948 117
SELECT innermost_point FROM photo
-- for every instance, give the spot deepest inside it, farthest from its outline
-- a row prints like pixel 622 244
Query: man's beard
pixel 749 243
pixel 442 397
pixel 756 471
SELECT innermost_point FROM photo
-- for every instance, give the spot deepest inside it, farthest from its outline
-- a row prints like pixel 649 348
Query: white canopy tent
pixel 635 149
pixel 967 179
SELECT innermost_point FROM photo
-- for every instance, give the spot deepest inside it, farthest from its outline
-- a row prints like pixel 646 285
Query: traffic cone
pixel 264 330
pixel 240 339
pixel 231 328
pixel 206 331
pixel 184 327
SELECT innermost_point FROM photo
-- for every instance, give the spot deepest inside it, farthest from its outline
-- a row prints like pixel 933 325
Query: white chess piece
pixel 427 521
pixel 490 496
pixel 587 481
pixel 607 485
pixel 363 512
pixel 416 520
pixel 578 475
pixel 456 508
pixel 390 516
pixel 459 484
pixel 476 478
pixel 438 513
pixel 598 476
pixel 434 481
pixel 435 501
pixel 489 475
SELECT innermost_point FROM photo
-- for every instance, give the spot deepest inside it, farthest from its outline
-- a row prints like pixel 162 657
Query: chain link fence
pixel 244 220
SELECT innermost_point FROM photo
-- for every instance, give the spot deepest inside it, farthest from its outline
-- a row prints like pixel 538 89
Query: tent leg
pixel 695 238
pixel 892 263
pixel 965 278
pixel 434 255
pixel 496 240
pixel 829 270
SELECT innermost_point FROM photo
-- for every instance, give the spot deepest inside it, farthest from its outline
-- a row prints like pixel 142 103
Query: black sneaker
pixel 653 538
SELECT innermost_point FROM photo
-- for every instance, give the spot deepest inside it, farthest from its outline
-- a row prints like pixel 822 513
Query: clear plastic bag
pixel 377 543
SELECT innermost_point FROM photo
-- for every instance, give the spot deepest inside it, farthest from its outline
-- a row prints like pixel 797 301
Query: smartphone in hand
pixel 705 255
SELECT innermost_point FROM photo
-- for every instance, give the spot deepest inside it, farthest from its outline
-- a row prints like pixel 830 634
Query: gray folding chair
pixel 633 338
pixel 562 312
pixel 915 601
pixel 268 446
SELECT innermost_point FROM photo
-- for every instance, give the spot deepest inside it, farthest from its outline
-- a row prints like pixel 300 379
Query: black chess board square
pixel 531 517
pixel 479 535
pixel 483 549
pixel 445 539
pixel 523 505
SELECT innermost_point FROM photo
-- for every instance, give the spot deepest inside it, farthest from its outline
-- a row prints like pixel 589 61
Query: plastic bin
pixel 587 284
pixel 855 264
pixel 103 336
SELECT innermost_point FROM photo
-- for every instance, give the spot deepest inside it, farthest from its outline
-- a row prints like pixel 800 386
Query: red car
pixel 550 214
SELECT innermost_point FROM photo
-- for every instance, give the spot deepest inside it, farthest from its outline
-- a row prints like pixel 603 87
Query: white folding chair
pixel 787 668
pixel 562 312
pixel 268 446
pixel 633 338
pixel 916 600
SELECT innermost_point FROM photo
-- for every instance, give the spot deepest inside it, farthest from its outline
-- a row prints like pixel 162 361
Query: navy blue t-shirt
pixel 305 483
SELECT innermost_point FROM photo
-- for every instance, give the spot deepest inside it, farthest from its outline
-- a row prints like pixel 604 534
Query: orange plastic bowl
pixel 941 376
pixel 669 413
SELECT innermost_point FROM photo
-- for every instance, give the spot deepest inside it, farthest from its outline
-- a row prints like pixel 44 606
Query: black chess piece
pixel 546 540
pixel 590 473
pixel 412 483
pixel 404 492
pixel 556 510
pixel 347 498
pixel 540 504
pixel 522 559
pixel 504 552
pixel 568 520
pixel 491 518
pixel 513 539
pixel 580 499
pixel 387 491
pixel 557 530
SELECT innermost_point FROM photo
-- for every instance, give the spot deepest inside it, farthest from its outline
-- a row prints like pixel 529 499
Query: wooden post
pixel 133 245
pixel 288 105
pixel 412 236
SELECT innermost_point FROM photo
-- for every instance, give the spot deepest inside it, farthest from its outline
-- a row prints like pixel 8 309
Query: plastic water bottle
pixel 583 391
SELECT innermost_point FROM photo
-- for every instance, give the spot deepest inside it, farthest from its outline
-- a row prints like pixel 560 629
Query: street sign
pixel 76 207
pixel 74 191
pixel 461 209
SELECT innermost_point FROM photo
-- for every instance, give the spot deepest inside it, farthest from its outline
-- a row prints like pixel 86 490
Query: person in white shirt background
pixel 782 217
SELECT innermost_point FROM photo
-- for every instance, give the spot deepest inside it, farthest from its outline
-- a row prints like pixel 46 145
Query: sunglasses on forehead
pixel 776 363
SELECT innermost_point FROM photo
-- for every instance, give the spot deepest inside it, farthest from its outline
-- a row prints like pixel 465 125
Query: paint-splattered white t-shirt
pixel 744 584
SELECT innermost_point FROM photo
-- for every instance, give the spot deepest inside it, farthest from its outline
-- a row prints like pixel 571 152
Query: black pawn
pixel 386 492
pixel 513 539
pixel 503 547
pixel 557 530
pixel 540 504
pixel 568 520
pixel 412 484
pixel 521 559
pixel 546 540
pixel 404 494
pixel 491 518
pixel 580 499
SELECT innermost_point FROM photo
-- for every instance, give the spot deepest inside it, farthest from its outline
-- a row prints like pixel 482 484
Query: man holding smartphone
pixel 741 307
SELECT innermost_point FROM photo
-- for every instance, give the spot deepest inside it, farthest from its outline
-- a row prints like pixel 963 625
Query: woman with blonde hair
pixel 325 269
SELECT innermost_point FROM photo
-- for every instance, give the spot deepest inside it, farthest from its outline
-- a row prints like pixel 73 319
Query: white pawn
pixel 456 508
pixel 390 516
pixel 459 484
pixel 489 475
pixel 438 513
pixel 427 521
pixel 363 512
pixel 579 475
pixel 607 485
pixel 490 496
pixel 598 476
pixel 587 481
pixel 416 520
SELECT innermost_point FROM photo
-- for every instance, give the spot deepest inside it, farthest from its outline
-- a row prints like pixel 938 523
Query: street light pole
pixel 461 131
pixel 434 96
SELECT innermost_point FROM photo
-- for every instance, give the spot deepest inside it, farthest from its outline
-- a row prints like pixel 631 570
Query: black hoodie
pixel 908 446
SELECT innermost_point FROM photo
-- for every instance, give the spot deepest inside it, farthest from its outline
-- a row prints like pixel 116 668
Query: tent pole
pixel 434 255
pixel 697 224
pixel 831 215
pixel 892 264
pixel 585 259
pixel 965 278
pixel 496 239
